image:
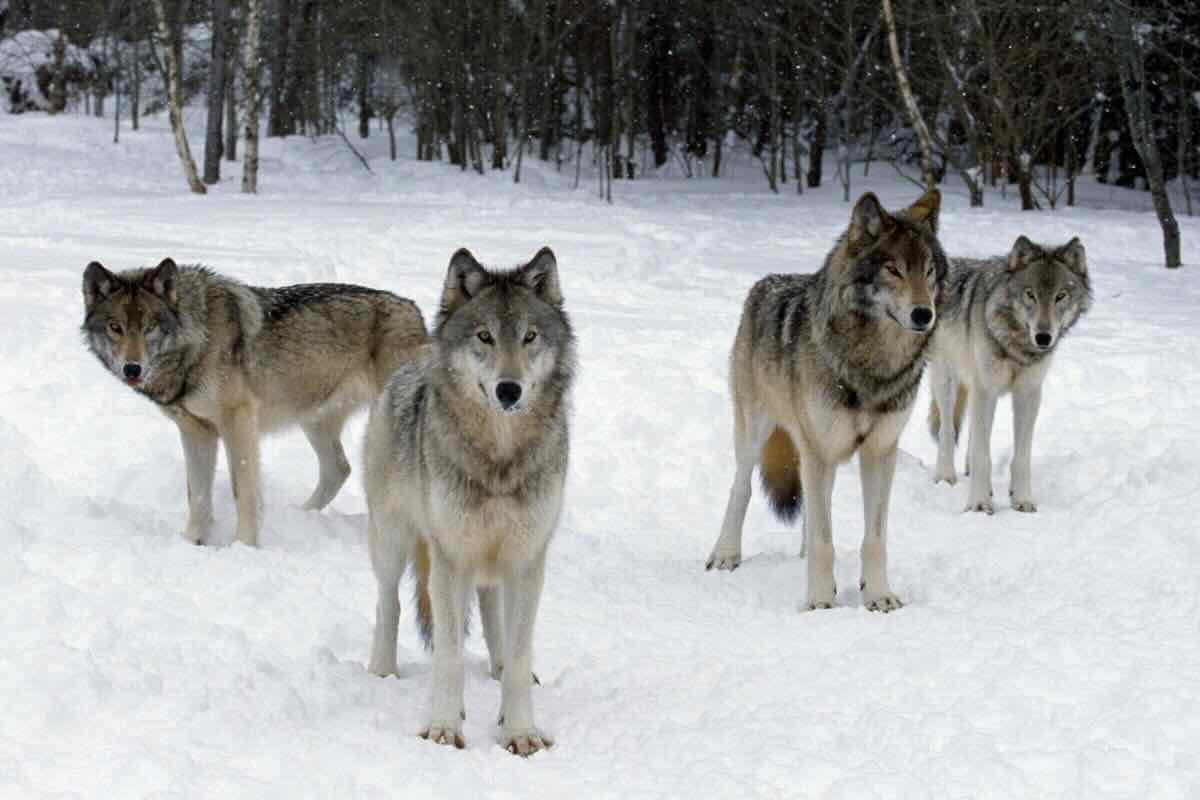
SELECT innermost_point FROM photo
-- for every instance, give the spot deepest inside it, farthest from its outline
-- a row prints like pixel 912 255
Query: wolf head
pixel 1047 290
pixel 890 265
pixel 131 318
pixel 504 334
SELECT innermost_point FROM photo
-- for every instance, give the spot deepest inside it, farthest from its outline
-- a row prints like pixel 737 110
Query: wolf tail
pixel 424 604
pixel 960 407
pixel 780 472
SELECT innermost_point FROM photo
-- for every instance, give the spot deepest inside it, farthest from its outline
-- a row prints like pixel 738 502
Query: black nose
pixel 508 393
pixel 133 370
pixel 1043 339
pixel 922 316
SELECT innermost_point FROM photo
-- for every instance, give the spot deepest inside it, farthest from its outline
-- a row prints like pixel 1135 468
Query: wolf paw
pixel 447 733
pixel 883 603
pixel 1027 506
pixel 981 505
pixel 945 477
pixel 525 743
pixel 724 560
pixel 382 668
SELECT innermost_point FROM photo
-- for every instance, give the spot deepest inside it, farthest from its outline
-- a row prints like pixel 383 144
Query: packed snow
pixel 1054 654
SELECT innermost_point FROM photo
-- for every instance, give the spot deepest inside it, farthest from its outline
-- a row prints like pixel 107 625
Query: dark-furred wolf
pixel 1002 319
pixel 466 457
pixel 824 366
pixel 230 362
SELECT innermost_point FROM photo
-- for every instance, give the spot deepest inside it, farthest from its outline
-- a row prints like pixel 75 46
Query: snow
pixel 1047 655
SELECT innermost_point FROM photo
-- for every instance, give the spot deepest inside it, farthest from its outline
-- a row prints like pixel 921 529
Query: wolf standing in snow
pixel 230 362
pixel 1001 321
pixel 466 457
pixel 826 365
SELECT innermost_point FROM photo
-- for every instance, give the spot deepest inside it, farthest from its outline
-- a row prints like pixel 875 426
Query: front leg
pixel 877 470
pixel 448 588
pixel 817 480
pixel 983 411
pixel 1026 403
pixel 200 459
pixel 239 429
pixel 522 591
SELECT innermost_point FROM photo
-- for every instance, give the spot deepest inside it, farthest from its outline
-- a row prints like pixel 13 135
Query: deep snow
pixel 1054 654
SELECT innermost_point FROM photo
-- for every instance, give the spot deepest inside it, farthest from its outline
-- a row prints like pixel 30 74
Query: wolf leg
pixel 448 587
pixel 239 430
pixel 749 434
pixel 389 556
pixel 983 411
pixel 877 470
pixel 200 457
pixel 945 389
pixel 817 479
pixel 493 627
pixel 1026 403
pixel 522 592
pixel 325 437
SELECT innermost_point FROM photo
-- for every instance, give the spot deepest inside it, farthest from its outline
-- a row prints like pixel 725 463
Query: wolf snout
pixel 132 371
pixel 508 393
pixel 1043 340
pixel 922 317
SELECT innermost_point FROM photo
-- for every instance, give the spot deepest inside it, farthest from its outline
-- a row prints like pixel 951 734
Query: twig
pixel 357 154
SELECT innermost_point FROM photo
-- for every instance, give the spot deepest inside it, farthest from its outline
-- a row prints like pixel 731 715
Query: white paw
pixel 1027 505
pixel 724 559
pixel 945 475
pixel 984 505
pixel 526 742
pixel 383 668
pixel 446 733
pixel 820 597
pixel 882 602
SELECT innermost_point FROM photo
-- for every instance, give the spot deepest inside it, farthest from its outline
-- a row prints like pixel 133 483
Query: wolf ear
pixel 465 277
pixel 1023 251
pixel 162 281
pixel 541 275
pixel 926 209
pixel 867 222
pixel 98 283
pixel 1075 256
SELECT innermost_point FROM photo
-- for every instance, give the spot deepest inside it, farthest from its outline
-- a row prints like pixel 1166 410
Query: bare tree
pixel 252 96
pixel 169 32
pixel 910 100
pixel 217 82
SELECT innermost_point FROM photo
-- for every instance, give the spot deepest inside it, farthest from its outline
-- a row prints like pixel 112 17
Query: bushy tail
pixel 780 472
pixel 960 408
pixel 421 591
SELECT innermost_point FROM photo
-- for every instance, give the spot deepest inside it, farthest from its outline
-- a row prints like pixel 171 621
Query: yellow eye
pixel 485 337
pixel 1061 296
pixel 115 328
pixel 893 268
pixel 530 336
pixel 1029 295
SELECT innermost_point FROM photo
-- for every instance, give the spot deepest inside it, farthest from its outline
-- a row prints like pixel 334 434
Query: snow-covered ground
pixel 1046 655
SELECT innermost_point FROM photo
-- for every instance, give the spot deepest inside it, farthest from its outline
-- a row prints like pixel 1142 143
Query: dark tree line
pixel 999 93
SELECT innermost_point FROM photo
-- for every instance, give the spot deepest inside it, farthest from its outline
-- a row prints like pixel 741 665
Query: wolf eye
pixel 1061 296
pixel 115 328
pixel 893 268
pixel 485 337
pixel 530 336
pixel 1029 295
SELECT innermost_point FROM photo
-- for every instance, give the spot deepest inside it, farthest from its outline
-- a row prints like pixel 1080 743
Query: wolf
pixel 465 460
pixel 229 362
pixel 825 365
pixel 1002 319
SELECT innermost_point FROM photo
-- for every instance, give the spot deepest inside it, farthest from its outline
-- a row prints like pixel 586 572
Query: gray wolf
pixel 465 461
pixel 825 365
pixel 229 362
pixel 1002 319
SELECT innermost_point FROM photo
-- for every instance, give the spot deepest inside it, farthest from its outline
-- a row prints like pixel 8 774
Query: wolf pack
pixel 467 441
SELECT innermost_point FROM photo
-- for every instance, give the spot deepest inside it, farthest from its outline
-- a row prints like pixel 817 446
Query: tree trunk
pixel 135 97
pixel 170 40
pixel 231 106
pixel 910 101
pixel 278 122
pixel 213 144
pixel 391 137
pixel 364 96
pixel 1025 181
pixel 816 149
pixel 252 97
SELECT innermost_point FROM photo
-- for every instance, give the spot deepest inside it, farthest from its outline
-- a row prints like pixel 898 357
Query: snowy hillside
pixel 1047 655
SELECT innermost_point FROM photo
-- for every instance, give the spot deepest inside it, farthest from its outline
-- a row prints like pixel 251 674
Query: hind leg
pixel 325 437
pixel 490 613
pixel 1025 409
pixel 389 556
pixel 749 434
pixel 983 411
pixel 945 387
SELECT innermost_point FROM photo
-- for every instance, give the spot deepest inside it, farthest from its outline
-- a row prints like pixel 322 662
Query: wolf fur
pixel 465 461
pixel 825 365
pixel 229 362
pixel 1002 320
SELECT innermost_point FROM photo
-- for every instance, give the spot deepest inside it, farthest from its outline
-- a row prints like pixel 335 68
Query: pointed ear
pixel 1075 256
pixel 1023 251
pixel 867 222
pixel 541 275
pixel 926 209
pixel 465 277
pixel 98 283
pixel 163 281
